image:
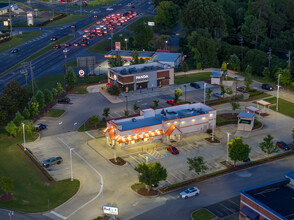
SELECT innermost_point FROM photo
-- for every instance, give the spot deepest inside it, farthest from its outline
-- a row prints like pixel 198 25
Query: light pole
pixel 99 69
pixel 110 38
pixel 126 102
pixel 70 158
pixel 65 51
pixel 204 92
pixel 24 136
pixel 185 92
pixel 278 90
pixel 228 140
pixel 10 20
pixel 126 40
pixel 102 198
pixel 166 45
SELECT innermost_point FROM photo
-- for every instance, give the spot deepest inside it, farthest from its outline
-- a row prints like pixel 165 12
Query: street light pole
pixel 204 91
pixel 65 62
pixel 102 198
pixel 99 69
pixel 126 40
pixel 126 102
pixel 278 90
pixel 10 20
pixel 228 140
pixel 185 92
pixel 166 45
pixel 24 136
pixel 70 158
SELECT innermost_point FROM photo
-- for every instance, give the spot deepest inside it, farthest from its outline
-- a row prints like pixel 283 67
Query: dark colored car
pixel 172 102
pixel 67 44
pixel 53 38
pixel 283 145
pixel 241 89
pixel 15 50
pixel 247 160
pixel 195 85
pixel 40 127
pixel 57 46
pixel 64 100
pixel 172 149
pixel 52 161
pixel 267 87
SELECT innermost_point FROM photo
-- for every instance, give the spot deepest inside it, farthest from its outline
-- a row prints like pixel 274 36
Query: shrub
pixel 113 90
pixel 209 131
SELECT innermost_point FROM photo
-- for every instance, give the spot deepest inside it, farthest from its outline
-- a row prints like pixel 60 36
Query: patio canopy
pixel 263 103
pixel 245 115
pixel 252 109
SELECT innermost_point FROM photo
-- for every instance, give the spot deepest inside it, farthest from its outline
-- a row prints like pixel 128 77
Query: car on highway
pixel 57 46
pixel 64 100
pixel 95 16
pixel 172 102
pixel 283 145
pixel 73 26
pixel 67 44
pixel 109 9
pixel 218 94
pixel 267 87
pixel 76 44
pixel 173 149
pixel 40 127
pixel 193 191
pixel 15 50
pixel 195 85
pixel 65 50
pixel 52 161
pixel 53 39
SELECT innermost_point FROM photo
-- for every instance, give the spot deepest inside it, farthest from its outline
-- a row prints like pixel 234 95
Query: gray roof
pixel 166 57
pixel 139 68
pixel 129 53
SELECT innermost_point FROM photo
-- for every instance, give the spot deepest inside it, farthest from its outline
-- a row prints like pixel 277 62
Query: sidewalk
pixel 112 99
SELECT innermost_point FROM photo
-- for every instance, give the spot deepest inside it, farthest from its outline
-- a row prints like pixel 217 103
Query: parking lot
pixel 226 207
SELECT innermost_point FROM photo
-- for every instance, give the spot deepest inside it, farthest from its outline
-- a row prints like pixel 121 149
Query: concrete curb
pixel 109 97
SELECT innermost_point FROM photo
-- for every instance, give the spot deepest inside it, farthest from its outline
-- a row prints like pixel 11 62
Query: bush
pixel 113 90
pixel 209 131
pixel 256 93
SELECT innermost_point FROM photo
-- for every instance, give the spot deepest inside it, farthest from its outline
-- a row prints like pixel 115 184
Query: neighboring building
pixel 272 201
pixel 166 124
pixel 127 54
pixel 141 76
pixel 4 8
pixel 245 121
pixel 172 59
pixel 216 78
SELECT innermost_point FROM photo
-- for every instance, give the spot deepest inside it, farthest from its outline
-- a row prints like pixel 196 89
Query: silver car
pixel 52 161
pixel 193 191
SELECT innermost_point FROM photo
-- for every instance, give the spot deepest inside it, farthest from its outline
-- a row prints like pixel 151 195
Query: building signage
pixel 117 45
pixel 151 23
pixel 141 130
pixel 142 77
pixel 110 210
pixel 114 77
pixel 81 73
pixel 30 18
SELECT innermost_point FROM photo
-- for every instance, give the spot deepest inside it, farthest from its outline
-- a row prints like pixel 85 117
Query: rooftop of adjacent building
pixel 166 57
pixel 277 197
pixel 153 117
pixel 129 53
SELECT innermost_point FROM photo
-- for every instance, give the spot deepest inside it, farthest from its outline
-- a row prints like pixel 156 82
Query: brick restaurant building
pixel 141 76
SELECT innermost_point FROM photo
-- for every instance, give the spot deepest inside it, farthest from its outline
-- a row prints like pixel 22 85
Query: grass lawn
pixel 48 82
pixel 19 39
pixel 48 48
pixel 55 113
pixel 31 192
pixel 261 96
pixel 285 107
pixel 72 63
pixel 67 20
pixel 132 26
pixel 194 77
pixel 101 2
pixel 101 47
pixel 80 90
pixel 203 214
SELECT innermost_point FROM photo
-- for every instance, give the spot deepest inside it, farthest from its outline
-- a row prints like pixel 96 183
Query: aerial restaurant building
pixel 166 124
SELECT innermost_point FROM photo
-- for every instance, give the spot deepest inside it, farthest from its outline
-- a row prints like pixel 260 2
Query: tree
pixel 33 106
pixel 116 61
pixel 223 91
pixel 248 77
pixel 135 106
pixel 6 184
pixel 29 127
pixel 208 94
pixel 150 174
pixel 268 146
pixel 158 41
pixel 113 90
pixel 235 106
pixel 26 113
pixel 238 151
pixel 18 119
pixel 285 78
pixel 266 74
pixel 40 98
pixel 59 88
pixel 135 58
pixel 106 112
pixel 178 94
pixel 229 91
pixel 156 102
pixel 224 67
pixel 11 128
pixel 54 93
pixel 167 14
pixel 48 96
pixel 142 36
pixel 197 164
pixel 257 60
pixel 234 62
pixel 185 67
pixel 94 120
pixel 126 113
pixel 70 77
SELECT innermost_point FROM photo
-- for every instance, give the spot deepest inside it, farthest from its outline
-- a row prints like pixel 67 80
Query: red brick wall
pixel 162 74
pixel 165 82
pixel 126 79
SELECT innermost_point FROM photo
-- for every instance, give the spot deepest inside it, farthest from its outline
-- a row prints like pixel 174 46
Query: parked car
pixel 193 191
pixel 57 46
pixel 283 145
pixel 218 94
pixel 53 39
pixel 64 100
pixel 52 161
pixel 15 50
pixel 267 87
pixel 172 102
pixel 241 89
pixel 195 85
pixel 247 160
pixel 73 26
pixel 40 127
pixel 172 149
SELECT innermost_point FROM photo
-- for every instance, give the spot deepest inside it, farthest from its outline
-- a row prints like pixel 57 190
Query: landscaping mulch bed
pixel 212 141
pixel 119 161
pixel 264 114
pixel 228 116
pixel 6 197
pixel 259 125
pixel 144 192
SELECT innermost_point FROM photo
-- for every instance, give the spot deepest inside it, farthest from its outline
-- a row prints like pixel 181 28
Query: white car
pixel 194 191
pixel 109 9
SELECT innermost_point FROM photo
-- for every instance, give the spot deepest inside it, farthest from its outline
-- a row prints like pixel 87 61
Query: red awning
pixel 108 84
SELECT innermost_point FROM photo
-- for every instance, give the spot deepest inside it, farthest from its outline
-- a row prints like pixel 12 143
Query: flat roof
pixel 154 117
pixel 129 53
pixel 216 74
pixel 139 68
pixel 252 108
pixel 263 103
pixel 166 57
pixel 276 197
pixel 246 115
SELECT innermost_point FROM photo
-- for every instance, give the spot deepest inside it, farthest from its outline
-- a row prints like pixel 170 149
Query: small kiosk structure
pixel 216 78
pixel 253 109
pixel 264 104
pixel 245 121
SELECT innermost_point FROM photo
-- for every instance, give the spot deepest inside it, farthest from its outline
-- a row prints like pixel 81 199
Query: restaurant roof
pixel 128 54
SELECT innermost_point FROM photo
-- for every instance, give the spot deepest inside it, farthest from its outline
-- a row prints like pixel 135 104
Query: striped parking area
pixel 226 207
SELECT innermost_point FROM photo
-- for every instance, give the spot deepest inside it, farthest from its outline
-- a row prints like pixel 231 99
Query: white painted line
pixel 60 122
pixel 175 176
pixel 75 123
pixel 134 159
pixel 91 136
pixel 101 177
pixel 136 203
pixel 58 215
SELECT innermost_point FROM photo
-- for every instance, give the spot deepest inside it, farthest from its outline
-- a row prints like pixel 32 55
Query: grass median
pixel 31 193
pixel 194 77
pixel 203 214
pixel 18 40
pixel 54 113
pixel 285 107
pixel 101 2
pixel 67 20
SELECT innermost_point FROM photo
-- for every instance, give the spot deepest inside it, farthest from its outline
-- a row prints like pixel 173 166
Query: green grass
pixel 54 113
pixel 80 90
pixel 195 77
pixel 100 47
pixel 19 39
pixel 67 20
pixel 31 192
pixel 203 214
pixel 285 107
pixel 132 26
pixel 48 82
pixel 101 2
pixel 261 96
pixel 72 63
pixel 48 48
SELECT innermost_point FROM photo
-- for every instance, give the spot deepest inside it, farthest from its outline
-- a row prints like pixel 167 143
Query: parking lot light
pixel 70 158
pixel 185 92
pixel 228 133
pixel 278 90
pixel 204 94
pixel 101 184
pixel 24 136
pixel 126 40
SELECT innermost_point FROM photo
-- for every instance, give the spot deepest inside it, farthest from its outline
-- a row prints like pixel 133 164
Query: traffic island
pixel 141 189
pixel 119 161
pixel 202 214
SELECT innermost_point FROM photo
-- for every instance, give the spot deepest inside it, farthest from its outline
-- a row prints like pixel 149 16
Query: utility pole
pixel 32 78
pixel 25 72
pixel 241 43
pixel 289 59
pixel 10 20
pixel 269 58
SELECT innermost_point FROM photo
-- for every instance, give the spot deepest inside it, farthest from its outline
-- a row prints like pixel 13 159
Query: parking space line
pixel 91 136
pixel 226 208
pixel 184 174
pixel 134 159
pixel 58 215
pixel 175 176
